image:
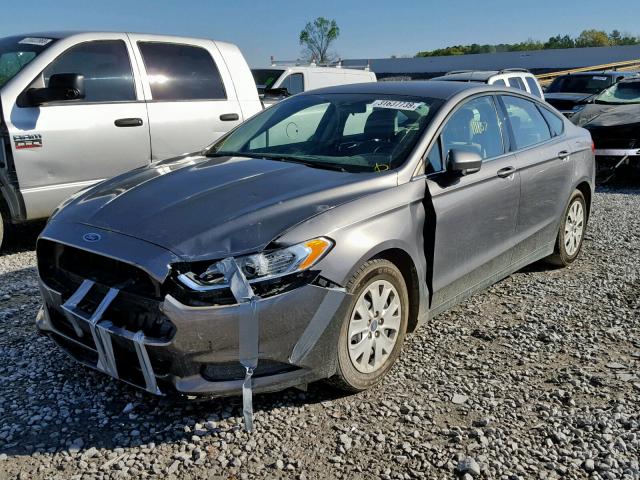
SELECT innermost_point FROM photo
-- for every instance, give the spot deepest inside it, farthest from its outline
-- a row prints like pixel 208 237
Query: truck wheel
pixel 374 326
pixel 571 232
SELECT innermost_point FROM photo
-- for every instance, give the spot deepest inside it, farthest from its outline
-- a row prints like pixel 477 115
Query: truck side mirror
pixel 62 87
pixel 463 162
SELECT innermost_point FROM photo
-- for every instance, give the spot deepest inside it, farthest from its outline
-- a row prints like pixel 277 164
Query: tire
pixel 571 231
pixel 358 371
pixel 2 228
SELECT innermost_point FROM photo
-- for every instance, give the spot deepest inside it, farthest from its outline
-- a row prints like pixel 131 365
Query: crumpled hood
pixel 204 208
pixel 601 115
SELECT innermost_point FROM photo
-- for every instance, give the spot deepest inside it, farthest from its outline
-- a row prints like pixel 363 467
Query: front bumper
pixel 192 351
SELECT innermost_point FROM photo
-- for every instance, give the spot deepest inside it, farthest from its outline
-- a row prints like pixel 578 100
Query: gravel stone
pixel 532 355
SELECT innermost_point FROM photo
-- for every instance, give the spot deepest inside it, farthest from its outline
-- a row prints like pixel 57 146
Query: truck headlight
pixel 260 267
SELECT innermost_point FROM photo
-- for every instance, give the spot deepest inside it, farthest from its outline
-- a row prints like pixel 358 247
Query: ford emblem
pixel 92 237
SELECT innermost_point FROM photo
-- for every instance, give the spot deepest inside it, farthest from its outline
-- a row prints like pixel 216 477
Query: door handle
pixel 229 117
pixel 563 155
pixel 506 172
pixel 128 122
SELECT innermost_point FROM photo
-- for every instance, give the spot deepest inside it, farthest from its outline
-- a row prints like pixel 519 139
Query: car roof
pixel 423 88
pixel 61 34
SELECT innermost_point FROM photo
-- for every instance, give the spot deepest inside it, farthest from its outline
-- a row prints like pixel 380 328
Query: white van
pixel 77 108
pixel 289 80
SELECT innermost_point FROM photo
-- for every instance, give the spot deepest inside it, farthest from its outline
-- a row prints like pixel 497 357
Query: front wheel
pixel 571 232
pixel 374 326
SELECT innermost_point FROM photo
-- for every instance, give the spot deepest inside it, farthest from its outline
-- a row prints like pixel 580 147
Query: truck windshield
pixel 266 77
pixel 620 93
pixel 346 132
pixel 17 52
pixel 580 84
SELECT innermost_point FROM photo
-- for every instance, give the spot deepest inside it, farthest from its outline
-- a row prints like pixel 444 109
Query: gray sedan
pixel 308 241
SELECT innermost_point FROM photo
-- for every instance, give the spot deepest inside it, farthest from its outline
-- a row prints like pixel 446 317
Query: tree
pixel 593 38
pixel 317 37
pixel 560 41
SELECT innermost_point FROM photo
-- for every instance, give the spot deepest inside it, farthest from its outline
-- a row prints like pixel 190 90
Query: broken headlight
pixel 263 266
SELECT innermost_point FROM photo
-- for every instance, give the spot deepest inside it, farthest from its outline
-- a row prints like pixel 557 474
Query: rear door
pixel 190 94
pixel 475 214
pixel 546 171
pixel 62 147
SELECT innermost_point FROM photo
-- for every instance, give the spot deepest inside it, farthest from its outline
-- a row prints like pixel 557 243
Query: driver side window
pixel 474 128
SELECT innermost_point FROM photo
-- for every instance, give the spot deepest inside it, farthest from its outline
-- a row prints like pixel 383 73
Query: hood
pixel 569 97
pixel 601 115
pixel 205 208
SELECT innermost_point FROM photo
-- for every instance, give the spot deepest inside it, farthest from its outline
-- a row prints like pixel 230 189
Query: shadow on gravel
pixel 48 401
pixel 21 238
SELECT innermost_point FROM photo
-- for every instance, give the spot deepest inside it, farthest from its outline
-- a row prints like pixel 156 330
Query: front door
pixel 475 214
pixel 62 147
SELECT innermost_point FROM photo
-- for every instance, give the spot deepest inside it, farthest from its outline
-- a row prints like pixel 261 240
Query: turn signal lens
pixel 317 248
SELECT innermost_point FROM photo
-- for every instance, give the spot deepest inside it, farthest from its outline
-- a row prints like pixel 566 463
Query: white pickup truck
pixel 76 108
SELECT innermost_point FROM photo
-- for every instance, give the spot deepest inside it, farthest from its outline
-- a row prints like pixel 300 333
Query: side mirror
pixel 277 92
pixel 463 162
pixel 62 87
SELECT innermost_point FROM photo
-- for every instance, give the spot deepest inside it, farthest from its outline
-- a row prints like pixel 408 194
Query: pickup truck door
pixel 61 147
pixel 190 93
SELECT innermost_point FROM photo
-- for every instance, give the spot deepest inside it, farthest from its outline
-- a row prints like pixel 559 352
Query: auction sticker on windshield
pixel 397 104
pixel 35 41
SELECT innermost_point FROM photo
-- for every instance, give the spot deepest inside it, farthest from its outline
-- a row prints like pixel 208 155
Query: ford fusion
pixel 307 242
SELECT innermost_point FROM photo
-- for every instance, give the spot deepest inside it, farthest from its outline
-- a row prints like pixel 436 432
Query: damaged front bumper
pixel 195 351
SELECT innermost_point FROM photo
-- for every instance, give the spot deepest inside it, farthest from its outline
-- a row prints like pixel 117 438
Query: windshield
pixel 265 78
pixel 348 132
pixel 580 84
pixel 624 92
pixel 17 52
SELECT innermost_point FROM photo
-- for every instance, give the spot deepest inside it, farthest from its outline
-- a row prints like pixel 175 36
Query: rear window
pixel 556 124
pixel 580 84
pixel 533 86
pixel 181 72
pixel 528 125
pixel 516 82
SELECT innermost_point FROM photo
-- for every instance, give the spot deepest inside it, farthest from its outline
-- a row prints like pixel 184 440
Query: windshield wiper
pixel 281 158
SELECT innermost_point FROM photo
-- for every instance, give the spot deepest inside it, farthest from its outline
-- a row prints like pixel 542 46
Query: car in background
pixel 308 241
pixel 278 82
pixel 568 93
pixel 78 108
pixel 519 78
pixel 613 119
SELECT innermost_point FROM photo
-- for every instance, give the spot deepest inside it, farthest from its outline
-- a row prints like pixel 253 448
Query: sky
pixel 369 28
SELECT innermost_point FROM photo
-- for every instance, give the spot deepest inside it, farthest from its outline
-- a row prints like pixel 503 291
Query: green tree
pixel 317 37
pixel 593 38
pixel 560 41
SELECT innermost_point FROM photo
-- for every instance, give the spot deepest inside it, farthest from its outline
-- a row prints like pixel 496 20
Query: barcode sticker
pixel 35 41
pixel 397 104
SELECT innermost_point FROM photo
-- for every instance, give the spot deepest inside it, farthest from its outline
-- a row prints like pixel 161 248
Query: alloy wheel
pixel 573 228
pixel 374 326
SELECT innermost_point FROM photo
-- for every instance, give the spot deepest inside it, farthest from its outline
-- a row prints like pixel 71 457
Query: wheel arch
pixel 584 188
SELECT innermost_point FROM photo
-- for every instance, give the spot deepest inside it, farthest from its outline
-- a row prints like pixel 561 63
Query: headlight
pixel 260 267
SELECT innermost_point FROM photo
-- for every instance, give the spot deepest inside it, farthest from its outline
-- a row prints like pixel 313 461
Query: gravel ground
pixel 536 378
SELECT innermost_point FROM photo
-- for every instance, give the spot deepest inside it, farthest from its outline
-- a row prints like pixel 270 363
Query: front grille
pixel 64 268
pixel 135 308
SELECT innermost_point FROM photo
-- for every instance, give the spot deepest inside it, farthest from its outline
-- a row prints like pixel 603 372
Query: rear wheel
pixel 374 326
pixel 2 228
pixel 571 232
